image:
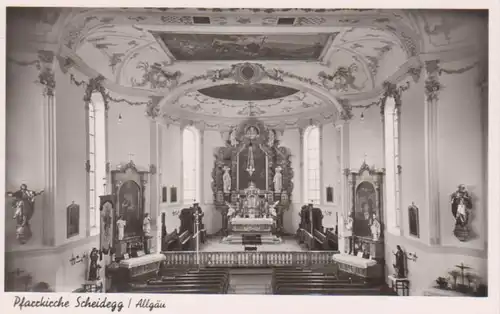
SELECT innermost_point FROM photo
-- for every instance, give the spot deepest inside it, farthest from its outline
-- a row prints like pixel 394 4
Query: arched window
pixel 190 159
pixel 96 157
pixel 312 175
pixel 391 145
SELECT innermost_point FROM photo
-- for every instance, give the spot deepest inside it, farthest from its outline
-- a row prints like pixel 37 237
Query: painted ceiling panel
pixel 205 47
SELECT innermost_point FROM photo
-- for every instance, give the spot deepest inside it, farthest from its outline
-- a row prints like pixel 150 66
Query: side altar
pixel 252 183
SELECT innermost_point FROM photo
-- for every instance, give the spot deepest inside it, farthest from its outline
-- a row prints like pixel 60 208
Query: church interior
pixel 247 151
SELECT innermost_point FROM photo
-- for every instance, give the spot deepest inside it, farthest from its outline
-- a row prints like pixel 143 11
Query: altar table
pixel 239 224
pixel 358 266
pixel 143 265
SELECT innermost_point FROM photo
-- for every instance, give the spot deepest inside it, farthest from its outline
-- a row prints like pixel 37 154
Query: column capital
pixel 432 83
pixel 46 76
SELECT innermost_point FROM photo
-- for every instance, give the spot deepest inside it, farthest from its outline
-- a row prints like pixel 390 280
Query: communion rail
pixel 249 259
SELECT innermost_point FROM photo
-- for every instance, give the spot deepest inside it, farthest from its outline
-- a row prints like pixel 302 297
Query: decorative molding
pixel 152 169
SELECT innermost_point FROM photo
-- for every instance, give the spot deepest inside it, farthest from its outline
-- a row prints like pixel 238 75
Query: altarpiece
pixel 252 179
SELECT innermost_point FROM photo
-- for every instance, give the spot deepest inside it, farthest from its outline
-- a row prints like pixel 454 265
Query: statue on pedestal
pixel 232 138
pixel 399 265
pixel 375 228
pixel 226 178
pixel 348 225
pixel 120 224
pixel 278 180
pixel 94 267
pixel 461 204
pixel 24 204
pixel 146 225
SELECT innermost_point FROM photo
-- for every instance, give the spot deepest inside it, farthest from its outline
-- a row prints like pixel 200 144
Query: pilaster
pixel 432 88
pixel 201 175
pixel 301 166
pixel 322 196
pixel 47 79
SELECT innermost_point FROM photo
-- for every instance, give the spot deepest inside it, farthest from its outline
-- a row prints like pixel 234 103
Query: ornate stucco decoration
pixel 341 80
pixel 432 84
pixel 46 76
pixel 156 76
pixel 415 73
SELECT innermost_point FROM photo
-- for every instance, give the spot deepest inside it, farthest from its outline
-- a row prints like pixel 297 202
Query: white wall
pixel 25 164
pixel 461 159
pixel 24 161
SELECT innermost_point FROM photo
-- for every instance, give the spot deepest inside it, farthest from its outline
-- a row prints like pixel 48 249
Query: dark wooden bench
pixel 321 242
pixel 185 241
pixel 333 240
pixel 171 242
pixel 339 292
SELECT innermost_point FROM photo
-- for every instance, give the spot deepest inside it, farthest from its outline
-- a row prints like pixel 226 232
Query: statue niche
pixel 259 172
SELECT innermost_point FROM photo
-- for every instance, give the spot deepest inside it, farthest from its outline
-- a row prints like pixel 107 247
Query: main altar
pixel 252 183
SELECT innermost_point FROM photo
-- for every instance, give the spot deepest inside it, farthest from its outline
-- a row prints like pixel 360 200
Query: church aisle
pixel 250 281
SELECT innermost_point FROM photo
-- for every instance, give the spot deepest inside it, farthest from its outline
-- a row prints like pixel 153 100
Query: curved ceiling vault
pixel 201 52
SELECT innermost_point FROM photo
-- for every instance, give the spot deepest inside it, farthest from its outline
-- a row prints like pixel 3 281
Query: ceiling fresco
pixel 208 47
pixel 257 91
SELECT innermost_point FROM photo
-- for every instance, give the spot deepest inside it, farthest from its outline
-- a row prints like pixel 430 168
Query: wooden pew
pixel 320 241
pixel 333 240
pixel 171 242
pixel 185 241
pixel 334 291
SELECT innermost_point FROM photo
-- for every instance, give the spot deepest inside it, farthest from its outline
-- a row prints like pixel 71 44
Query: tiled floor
pixel 287 245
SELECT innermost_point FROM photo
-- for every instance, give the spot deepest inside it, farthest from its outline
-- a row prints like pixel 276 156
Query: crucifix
pixel 462 267
pixel 130 156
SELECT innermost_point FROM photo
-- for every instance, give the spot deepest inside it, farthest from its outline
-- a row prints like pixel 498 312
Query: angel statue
pixel 272 209
pixel 24 204
pixel 231 210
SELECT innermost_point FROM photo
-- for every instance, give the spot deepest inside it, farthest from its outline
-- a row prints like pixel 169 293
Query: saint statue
pixel 399 265
pixel 271 138
pixel 232 138
pixel 460 204
pixel 24 204
pixel 146 225
pixel 348 224
pixel 375 228
pixel 226 178
pixel 272 209
pixel 121 223
pixel 278 180
pixel 94 266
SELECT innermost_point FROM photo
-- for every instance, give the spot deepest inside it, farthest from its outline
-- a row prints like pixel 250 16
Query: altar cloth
pixel 354 260
pixel 142 260
pixel 251 221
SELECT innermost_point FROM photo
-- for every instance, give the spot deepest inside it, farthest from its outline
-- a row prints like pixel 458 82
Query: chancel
pixel 247 151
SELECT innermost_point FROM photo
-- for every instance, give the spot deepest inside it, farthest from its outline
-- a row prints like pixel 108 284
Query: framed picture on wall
pixel 329 194
pixel 73 220
pixel 173 194
pixel 164 194
pixel 413 220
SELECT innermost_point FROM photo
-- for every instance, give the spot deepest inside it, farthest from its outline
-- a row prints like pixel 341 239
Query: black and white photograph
pixel 247 151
